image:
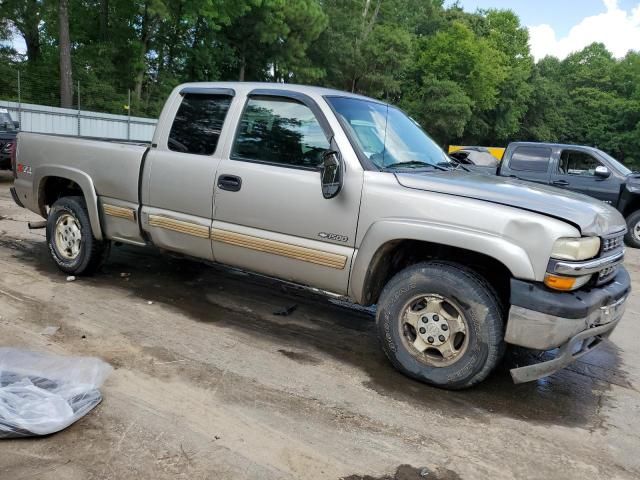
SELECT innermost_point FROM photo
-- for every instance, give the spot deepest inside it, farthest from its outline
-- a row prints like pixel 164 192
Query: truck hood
pixel 591 216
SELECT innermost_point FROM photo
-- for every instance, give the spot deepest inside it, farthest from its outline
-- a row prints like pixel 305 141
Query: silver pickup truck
pixel 348 195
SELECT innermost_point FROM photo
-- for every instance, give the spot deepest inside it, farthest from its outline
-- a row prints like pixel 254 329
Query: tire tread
pixel 496 344
pixel 98 249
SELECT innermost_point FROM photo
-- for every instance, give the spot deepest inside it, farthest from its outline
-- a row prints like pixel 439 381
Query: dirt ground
pixel 209 383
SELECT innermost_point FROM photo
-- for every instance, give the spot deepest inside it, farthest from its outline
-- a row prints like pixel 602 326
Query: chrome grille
pixel 612 243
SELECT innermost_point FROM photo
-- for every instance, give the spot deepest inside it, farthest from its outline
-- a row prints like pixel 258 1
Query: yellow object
pixel 564 284
pixel 497 152
pixel 559 283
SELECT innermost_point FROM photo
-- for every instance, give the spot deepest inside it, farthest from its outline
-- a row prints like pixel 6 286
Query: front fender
pixel 512 256
pixel 77 176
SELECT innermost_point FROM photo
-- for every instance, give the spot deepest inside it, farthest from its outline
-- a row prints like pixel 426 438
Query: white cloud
pixel 19 44
pixel 618 29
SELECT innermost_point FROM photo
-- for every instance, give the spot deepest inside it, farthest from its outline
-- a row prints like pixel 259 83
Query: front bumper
pixel 573 322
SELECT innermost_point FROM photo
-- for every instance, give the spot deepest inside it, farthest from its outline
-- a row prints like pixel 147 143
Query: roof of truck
pixel 551 145
pixel 306 89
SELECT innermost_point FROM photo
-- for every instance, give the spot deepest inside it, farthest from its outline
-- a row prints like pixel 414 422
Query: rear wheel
pixel 70 238
pixel 441 323
pixel 632 238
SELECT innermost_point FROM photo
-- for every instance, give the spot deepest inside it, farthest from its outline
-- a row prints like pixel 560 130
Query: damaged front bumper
pixel 574 323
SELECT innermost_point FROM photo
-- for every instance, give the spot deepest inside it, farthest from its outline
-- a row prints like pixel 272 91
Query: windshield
pixel 616 164
pixel 386 136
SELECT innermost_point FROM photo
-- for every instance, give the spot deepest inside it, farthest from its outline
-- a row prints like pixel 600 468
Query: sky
pixel 560 27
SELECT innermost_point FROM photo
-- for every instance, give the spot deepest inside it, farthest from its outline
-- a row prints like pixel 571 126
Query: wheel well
pixel 53 188
pixel 632 206
pixel 397 255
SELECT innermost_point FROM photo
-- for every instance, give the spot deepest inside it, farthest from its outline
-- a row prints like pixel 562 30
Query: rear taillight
pixel 12 154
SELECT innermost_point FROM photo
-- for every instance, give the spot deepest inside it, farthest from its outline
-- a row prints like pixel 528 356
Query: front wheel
pixel 632 238
pixel 70 238
pixel 442 324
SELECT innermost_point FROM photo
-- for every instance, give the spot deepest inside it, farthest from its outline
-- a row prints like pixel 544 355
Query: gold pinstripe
pixel 318 257
pixel 179 226
pixel 310 255
pixel 120 212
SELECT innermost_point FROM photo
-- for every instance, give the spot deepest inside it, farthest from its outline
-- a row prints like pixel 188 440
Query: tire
pixel 632 238
pixel 464 299
pixel 68 217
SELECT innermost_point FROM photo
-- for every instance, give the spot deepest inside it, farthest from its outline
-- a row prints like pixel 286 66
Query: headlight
pixel 575 248
pixel 633 187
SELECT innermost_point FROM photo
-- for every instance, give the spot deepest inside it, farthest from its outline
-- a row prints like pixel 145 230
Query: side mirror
pixel 602 172
pixel 16 125
pixel 331 174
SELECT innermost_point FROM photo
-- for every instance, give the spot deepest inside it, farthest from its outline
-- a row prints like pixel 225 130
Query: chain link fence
pixel 33 100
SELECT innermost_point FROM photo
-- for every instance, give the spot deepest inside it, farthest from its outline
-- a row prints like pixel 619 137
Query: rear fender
pixel 77 176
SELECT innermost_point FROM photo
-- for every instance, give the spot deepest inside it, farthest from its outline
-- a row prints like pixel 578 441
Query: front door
pixel 270 215
pixel 180 174
pixel 576 171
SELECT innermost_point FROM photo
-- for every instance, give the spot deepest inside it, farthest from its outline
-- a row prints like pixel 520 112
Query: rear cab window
pixel 197 125
pixel 530 159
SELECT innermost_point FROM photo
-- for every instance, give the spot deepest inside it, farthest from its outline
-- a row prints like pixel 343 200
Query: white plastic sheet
pixel 42 393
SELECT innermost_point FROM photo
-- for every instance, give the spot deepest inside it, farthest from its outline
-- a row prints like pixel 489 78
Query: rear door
pixel 576 171
pixel 270 214
pixel 179 174
pixel 530 162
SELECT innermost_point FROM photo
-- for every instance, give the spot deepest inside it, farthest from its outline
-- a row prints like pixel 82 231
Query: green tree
pixel 505 33
pixel 270 40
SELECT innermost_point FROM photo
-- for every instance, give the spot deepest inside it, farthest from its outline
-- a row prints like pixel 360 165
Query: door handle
pixel 560 183
pixel 229 182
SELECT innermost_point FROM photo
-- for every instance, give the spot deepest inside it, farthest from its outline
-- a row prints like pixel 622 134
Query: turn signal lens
pixel 565 284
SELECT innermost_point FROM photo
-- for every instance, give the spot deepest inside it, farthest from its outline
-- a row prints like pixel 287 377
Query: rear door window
pixel 198 123
pixel 530 159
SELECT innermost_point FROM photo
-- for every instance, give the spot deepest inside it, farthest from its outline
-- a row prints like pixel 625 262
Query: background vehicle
pixel 8 131
pixel 581 169
pixel 478 159
pixel 345 194
pixel 497 152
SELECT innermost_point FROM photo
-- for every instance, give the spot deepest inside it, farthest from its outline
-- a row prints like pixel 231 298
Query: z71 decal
pixel 26 169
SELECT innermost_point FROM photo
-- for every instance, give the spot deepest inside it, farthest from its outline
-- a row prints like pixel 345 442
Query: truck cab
pixel 348 195
pixel 581 169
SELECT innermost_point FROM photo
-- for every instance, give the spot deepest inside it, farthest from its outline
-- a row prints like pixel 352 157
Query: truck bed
pixel 113 166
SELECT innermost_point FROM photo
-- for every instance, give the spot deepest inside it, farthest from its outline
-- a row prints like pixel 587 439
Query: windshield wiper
pixel 416 163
